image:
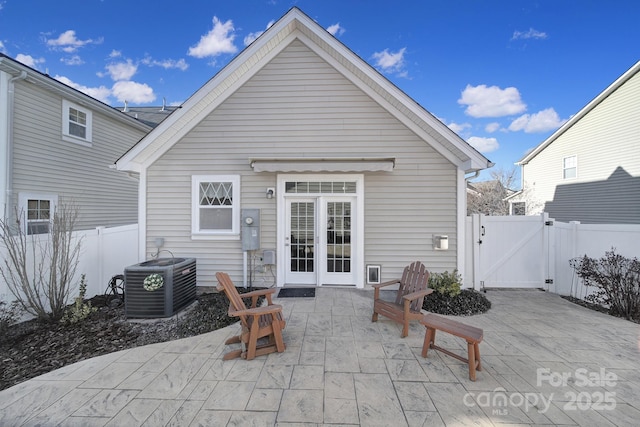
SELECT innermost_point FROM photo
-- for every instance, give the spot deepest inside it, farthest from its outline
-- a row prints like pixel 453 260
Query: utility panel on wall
pixel 250 229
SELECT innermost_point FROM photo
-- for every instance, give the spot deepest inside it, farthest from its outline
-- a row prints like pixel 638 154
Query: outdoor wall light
pixel 270 192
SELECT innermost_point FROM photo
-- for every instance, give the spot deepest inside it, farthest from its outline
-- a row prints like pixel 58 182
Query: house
pixel 589 169
pixel 58 145
pixel 298 163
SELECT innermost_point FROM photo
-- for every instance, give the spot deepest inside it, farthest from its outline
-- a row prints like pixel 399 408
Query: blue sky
pixel 503 74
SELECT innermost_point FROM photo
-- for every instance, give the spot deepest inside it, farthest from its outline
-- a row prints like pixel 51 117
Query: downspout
pixel 464 238
pixel 8 142
pixel 474 176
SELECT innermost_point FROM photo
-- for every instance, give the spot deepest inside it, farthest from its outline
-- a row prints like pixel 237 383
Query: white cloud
pixel 484 145
pixel 458 127
pixel 390 62
pixel 483 101
pixel 336 29
pixel 101 93
pixel 2 48
pixel 68 42
pixel 541 121
pixel 138 93
pixel 72 60
pixel 115 54
pixel 180 64
pixel 122 70
pixel 250 38
pixel 492 127
pixel 217 41
pixel 531 34
pixel 29 60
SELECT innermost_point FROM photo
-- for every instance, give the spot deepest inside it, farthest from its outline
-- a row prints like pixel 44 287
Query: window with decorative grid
pixel 216 200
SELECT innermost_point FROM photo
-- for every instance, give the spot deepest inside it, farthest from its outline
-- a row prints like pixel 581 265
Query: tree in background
pixel 488 197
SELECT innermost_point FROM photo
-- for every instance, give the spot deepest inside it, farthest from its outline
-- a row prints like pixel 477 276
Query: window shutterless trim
pixel 23 201
pixel 66 121
pixel 231 234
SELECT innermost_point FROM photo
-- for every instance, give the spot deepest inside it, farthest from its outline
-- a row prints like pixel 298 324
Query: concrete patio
pixel 545 361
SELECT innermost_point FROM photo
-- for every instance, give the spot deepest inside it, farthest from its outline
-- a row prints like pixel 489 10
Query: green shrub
pixel 446 283
pixel 617 280
pixel 80 310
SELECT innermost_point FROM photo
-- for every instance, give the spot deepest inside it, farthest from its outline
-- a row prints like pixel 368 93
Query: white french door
pixel 335 240
pixel 301 242
pixel 318 240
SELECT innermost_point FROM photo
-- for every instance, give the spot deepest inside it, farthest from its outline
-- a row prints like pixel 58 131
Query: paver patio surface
pixel 545 361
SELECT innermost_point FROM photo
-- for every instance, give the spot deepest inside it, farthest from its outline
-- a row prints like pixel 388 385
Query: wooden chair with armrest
pixel 412 288
pixel 257 322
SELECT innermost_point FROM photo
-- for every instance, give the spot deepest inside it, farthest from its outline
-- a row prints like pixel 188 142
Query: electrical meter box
pixel 250 229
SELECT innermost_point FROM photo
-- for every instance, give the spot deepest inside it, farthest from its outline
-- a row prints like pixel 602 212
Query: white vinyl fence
pixel 534 251
pixel 105 252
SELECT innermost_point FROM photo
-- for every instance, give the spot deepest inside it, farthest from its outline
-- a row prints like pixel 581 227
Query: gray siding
pixel 606 142
pixel 298 105
pixel 44 163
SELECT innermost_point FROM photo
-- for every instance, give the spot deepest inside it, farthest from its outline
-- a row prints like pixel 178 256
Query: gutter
pixel 8 142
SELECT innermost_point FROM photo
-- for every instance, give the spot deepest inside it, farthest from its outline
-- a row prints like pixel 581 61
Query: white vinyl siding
pixel 79 174
pixel 298 105
pixel 605 142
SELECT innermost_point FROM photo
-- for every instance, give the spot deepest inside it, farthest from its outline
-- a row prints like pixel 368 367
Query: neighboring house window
pixel 76 123
pixel 518 208
pixel 216 205
pixel 569 167
pixel 37 211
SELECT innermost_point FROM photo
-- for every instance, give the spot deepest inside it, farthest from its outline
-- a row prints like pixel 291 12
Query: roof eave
pixel 13 67
pixel 170 130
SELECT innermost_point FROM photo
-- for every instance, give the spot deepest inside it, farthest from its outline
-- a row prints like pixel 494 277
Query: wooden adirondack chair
pixel 411 292
pixel 257 322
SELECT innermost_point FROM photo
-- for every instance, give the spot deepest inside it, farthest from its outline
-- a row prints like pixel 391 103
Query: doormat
pixel 297 293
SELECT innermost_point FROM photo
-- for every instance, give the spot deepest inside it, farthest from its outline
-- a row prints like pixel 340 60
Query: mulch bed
pixel 32 348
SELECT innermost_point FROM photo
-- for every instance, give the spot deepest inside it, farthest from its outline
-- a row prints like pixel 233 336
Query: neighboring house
pixel 338 170
pixel 589 169
pixel 58 145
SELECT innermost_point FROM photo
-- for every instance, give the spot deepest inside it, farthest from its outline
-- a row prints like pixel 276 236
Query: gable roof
pixel 582 113
pixel 18 69
pixel 296 25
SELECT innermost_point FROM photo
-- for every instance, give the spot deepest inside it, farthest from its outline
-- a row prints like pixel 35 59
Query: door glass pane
pixel 339 237
pixel 302 236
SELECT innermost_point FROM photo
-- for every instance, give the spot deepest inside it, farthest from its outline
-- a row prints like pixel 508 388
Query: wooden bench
pixel 471 334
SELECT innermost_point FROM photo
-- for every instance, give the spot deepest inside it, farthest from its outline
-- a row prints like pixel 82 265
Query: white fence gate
pixel 534 251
